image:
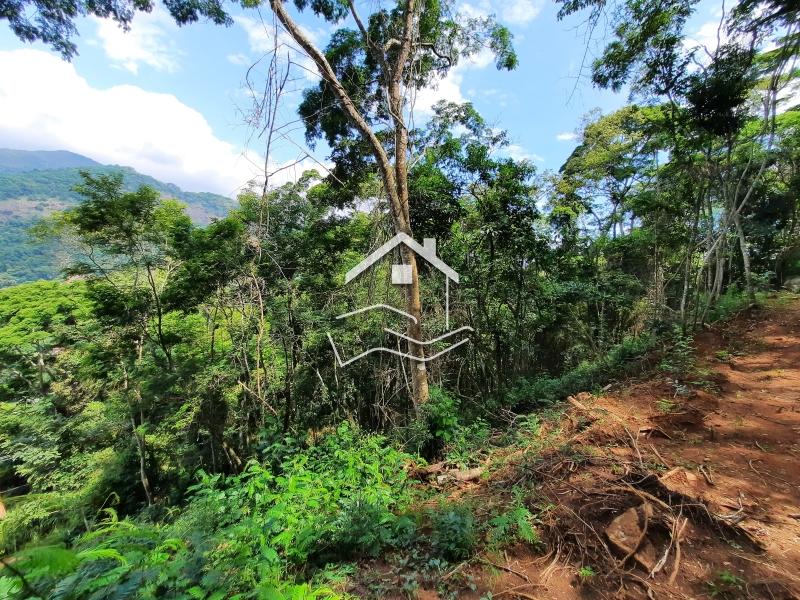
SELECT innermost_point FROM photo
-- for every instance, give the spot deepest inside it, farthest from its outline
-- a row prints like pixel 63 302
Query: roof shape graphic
pixel 428 252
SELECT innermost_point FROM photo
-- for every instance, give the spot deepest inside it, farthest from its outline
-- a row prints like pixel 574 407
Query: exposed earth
pixel 657 488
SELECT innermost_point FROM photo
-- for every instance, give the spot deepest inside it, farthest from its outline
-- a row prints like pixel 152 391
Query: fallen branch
pixel 661 458
pixel 516 592
pixel 676 565
pixel 506 568
pixel 706 474
pixel 467 475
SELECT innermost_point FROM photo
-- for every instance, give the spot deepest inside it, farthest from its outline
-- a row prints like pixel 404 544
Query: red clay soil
pixel 665 489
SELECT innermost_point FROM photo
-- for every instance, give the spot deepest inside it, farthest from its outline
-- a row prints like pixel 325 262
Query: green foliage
pixel 454 532
pixel 469 445
pixel 621 359
pixel 441 412
pixel 244 534
pixel 729 303
pixel 586 572
pixel 318 500
pixel 680 356
pixel 726 585
pixel 516 524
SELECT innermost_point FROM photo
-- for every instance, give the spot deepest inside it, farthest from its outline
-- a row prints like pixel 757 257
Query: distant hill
pixel 34 184
pixel 27 160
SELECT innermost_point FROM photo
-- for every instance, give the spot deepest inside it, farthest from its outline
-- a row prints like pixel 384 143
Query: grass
pixel 665 405
pixel 726 585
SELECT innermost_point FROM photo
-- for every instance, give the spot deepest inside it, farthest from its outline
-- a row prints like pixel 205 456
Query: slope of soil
pixel 660 489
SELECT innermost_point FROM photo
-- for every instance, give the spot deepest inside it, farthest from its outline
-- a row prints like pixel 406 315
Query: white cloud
pixel 566 136
pixel 449 87
pixel 471 11
pixel 239 59
pixel 707 38
pixel 512 13
pixel 46 105
pixel 788 97
pixel 517 152
pixel 147 42
pixel 518 12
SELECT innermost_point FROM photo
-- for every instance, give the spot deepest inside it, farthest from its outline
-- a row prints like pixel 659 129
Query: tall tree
pixel 363 104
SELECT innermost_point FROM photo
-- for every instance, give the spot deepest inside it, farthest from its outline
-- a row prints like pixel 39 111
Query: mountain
pixel 28 160
pixel 34 184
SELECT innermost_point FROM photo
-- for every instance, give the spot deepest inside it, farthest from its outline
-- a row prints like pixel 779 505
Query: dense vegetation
pixel 35 184
pixel 173 423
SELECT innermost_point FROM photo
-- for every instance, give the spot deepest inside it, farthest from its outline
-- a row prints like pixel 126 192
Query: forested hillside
pixel 175 421
pixel 36 184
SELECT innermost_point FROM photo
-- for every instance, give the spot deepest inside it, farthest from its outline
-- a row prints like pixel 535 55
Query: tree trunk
pixel 394 174
pixel 688 266
pixel 140 444
pixel 748 277
pixel 419 371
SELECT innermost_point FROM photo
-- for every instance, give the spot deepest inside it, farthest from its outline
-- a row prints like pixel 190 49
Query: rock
pixel 625 531
pixel 792 283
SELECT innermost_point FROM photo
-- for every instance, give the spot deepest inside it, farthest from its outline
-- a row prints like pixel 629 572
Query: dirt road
pixel 680 490
pixel 671 486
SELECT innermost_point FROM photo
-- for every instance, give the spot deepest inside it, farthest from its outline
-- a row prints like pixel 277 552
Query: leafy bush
pixel 441 414
pixel 245 534
pixel 679 359
pixel 334 498
pixel 731 301
pixel 436 426
pixel 469 444
pixel 618 362
pixel 527 428
pixel 365 528
pixel 453 534
pixel 513 525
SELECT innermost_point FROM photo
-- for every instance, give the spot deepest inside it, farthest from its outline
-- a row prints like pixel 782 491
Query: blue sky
pixel 169 101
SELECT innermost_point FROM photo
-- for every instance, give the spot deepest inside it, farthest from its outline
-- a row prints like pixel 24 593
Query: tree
pixel 126 254
pixel 364 103
pixel 606 166
pixel 710 105
pixel 53 22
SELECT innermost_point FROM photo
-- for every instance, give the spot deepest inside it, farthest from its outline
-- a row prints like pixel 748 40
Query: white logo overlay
pixel 401 275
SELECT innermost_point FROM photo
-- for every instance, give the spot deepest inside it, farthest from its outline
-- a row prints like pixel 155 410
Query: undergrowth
pixel 290 524
pixel 622 360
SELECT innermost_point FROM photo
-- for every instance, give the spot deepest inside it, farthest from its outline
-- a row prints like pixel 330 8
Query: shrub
pixel 453 533
pixel 469 444
pixel 621 360
pixel 441 414
pixel 679 359
pixel 298 512
pixel 513 525
pixel 367 528
pixel 245 534
pixel 435 427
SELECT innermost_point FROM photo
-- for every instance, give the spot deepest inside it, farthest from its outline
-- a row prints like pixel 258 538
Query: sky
pixel 172 102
